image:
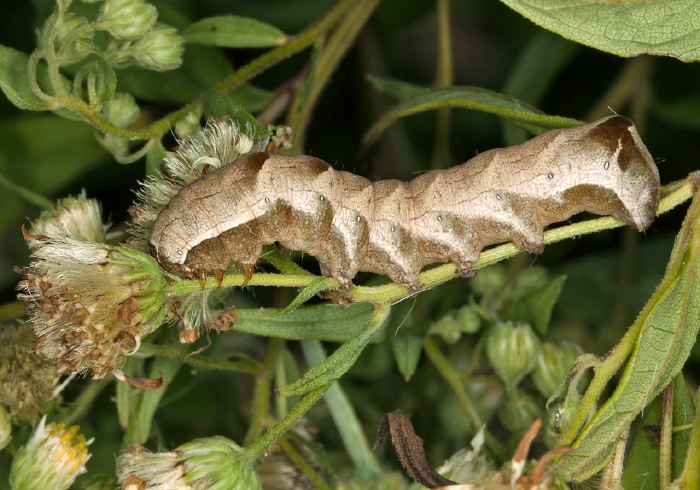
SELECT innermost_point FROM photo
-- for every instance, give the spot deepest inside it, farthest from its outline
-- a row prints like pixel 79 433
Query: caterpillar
pixel 395 228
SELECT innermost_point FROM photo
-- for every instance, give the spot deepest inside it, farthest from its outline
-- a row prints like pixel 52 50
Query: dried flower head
pixel 78 217
pixel 219 143
pixel 90 303
pixel 28 380
pixel 212 463
pixel 52 458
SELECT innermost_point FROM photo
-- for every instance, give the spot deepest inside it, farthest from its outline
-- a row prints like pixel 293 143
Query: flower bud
pixel 519 412
pixel 212 462
pixel 528 280
pixel 127 19
pixel 452 325
pixel 489 280
pixel 559 417
pixel 121 110
pixel 551 366
pixel 52 458
pixel 74 50
pixel 188 125
pixel 512 349
pixel 160 49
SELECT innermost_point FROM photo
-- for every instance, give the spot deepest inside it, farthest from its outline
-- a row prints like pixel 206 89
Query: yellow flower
pixel 52 458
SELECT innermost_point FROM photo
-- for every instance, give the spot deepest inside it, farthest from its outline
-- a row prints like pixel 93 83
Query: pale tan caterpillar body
pixel 395 228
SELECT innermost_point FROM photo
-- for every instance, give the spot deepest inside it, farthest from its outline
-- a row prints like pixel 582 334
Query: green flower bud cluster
pixel 455 323
pixel 135 37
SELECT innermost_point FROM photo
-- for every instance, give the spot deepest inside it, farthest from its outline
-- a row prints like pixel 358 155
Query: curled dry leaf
pixel 409 448
pixel 143 383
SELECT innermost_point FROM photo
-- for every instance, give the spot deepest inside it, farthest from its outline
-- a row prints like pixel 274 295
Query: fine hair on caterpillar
pixel 350 224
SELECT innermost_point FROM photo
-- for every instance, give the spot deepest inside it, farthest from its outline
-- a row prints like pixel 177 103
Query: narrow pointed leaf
pixel 231 31
pixel 515 111
pixel 340 361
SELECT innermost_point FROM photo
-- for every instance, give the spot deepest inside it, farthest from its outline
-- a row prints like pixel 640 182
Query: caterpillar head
pixel 626 169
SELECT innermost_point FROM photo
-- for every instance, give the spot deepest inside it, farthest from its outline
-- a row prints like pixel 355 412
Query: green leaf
pixel 395 88
pixel 334 323
pixel 343 413
pixel 15 84
pixel 515 111
pixel 340 361
pixel 102 82
pixel 218 105
pixel 663 336
pixel 316 286
pixel 642 464
pixel 536 307
pixel 407 349
pixel 691 470
pixel 684 413
pixel 231 31
pixel 140 425
pixel 282 263
pixel 624 28
pixel 154 157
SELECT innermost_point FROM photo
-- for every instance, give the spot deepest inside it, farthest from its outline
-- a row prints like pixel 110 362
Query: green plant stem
pixel 301 463
pixel 11 311
pixel 345 418
pixel 246 365
pixel 276 431
pixel 336 48
pixel 447 371
pixel 444 78
pixel 156 129
pixel 261 394
pixel 665 444
pixel 603 372
pixel 691 470
pixel 619 354
pixel 83 401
